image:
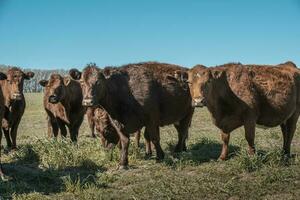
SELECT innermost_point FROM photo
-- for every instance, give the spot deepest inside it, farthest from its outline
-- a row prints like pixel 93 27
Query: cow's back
pixel 164 98
pixel 271 92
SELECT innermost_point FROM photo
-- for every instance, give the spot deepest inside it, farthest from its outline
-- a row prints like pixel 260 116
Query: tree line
pixel 33 85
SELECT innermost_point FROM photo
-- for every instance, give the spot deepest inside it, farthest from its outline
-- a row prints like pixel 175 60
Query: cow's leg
pixel 49 132
pixel 7 137
pixel 250 136
pixel 54 126
pixel 124 141
pixel 74 133
pixel 13 133
pixel 147 143
pixel 153 131
pixel 90 115
pixel 62 128
pixel 183 130
pixel 1 170
pixel 137 136
pixel 288 130
pixel 225 138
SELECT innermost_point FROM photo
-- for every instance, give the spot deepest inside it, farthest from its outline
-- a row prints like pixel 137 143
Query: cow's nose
pixel 17 96
pixel 199 102
pixel 53 99
pixel 87 102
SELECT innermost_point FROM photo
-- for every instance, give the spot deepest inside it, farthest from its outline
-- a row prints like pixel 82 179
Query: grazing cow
pixel 12 88
pixel 137 95
pixel 109 128
pixel 245 95
pixel 62 102
pixel 2 110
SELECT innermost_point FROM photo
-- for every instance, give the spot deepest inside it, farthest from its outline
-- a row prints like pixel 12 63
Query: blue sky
pixel 70 33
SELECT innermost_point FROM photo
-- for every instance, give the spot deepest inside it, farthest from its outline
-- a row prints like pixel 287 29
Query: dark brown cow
pixel 109 128
pixel 138 95
pixel 245 95
pixel 62 102
pixel 2 110
pixel 90 117
pixel 14 101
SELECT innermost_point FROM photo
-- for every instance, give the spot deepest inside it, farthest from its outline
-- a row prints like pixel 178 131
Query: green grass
pixel 44 168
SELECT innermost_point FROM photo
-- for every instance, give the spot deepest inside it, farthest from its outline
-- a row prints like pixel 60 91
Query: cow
pixel 108 128
pixel 137 95
pixel 2 110
pixel 14 101
pixel 248 95
pixel 62 102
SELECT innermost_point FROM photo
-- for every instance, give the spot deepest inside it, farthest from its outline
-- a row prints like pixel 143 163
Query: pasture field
pixel 44 168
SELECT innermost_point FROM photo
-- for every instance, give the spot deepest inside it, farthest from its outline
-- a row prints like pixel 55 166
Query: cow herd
pixel 121 101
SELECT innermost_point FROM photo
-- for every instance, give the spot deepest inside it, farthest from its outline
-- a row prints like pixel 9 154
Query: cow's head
pixel 15 80
pixel 55 87
pixel 201 83
pixel 92 82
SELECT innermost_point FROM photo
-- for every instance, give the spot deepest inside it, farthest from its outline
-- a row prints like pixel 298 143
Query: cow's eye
pixel 97 82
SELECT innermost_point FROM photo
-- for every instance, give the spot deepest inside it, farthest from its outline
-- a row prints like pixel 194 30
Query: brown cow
pixel 109 128
pixel 245 95
pixel 137 95
pixel 12 88
pixel 62 102
pixel 2 110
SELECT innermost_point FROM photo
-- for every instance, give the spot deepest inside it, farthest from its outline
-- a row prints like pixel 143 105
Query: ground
pixel 44 168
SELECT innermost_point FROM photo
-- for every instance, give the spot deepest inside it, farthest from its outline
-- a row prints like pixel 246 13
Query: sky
pixel 56 34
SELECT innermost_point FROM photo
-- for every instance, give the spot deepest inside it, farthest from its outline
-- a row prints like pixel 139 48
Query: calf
pixel 12 89
pixel 62 102
pixel 138 95
pixel 109 128
pixel 245 95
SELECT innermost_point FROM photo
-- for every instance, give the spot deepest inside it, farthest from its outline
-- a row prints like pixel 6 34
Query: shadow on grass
pixel 27 176
pixel 203 151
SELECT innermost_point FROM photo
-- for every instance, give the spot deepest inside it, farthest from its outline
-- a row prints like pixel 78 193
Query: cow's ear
pixel 43 83
pixel 75 74
pixel 2 76
pixel 67 80
pixel 28 75
pixel 172 77
pixel 101 76
pixel 217 73
pixel 182 75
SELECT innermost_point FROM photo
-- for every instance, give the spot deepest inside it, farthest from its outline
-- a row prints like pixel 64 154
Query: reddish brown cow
pixel 245 95
pixel 12 88
pixel 2 110
pixel 138 95
pixel 62 102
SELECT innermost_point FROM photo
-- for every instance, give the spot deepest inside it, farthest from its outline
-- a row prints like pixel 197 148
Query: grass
pixel 45 168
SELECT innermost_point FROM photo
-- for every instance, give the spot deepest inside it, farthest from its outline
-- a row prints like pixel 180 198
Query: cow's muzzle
pixel 199 102
pixel 53 99
pixel 87 102
pixel 17 96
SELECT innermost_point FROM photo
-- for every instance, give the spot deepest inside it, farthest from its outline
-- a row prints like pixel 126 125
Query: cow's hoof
pixel 148 156
pixel 178 149
pixel 122 167
pixel 221 158
pixel 5 178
